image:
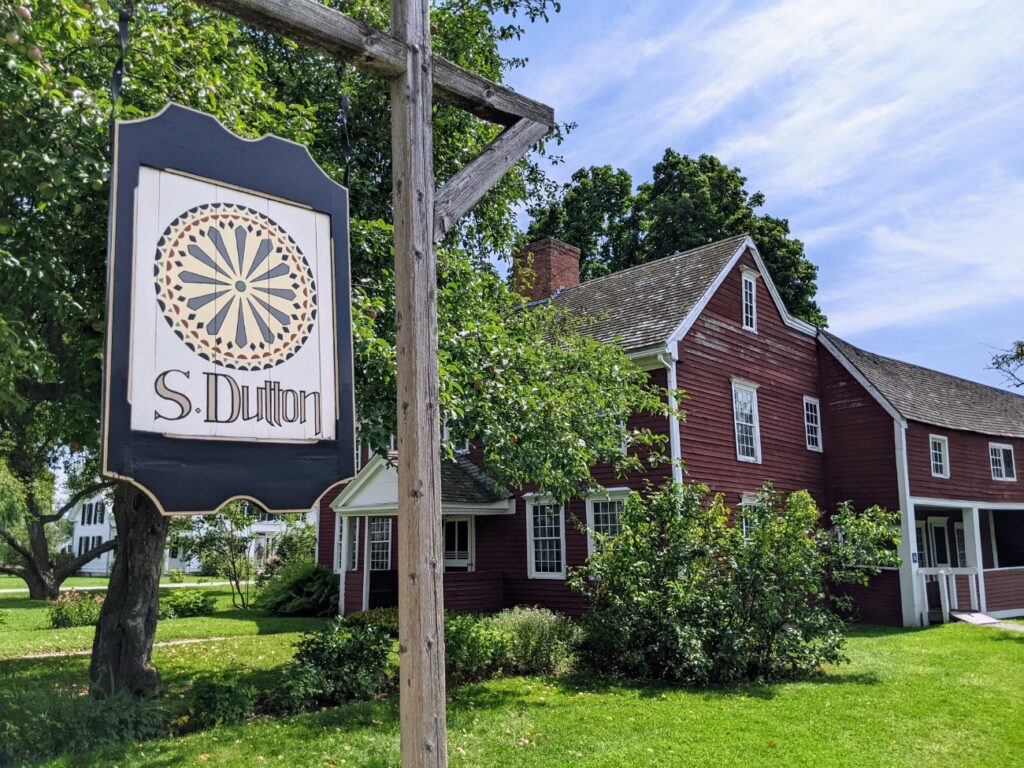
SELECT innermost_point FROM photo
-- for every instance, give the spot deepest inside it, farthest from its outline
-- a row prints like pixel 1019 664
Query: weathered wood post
pixel 420 561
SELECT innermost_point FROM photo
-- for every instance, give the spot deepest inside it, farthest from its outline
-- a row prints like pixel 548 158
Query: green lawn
pixel 13 582
pixel 943 696
pixel 26 630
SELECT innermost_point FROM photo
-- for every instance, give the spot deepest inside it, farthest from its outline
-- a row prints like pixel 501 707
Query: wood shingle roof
pixel 921 394
pixel 642 306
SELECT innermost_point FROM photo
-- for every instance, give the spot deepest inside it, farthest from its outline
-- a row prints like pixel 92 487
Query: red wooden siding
pixel 1004 590
pixel 474 592
pixel 970 474
pixel 879 602
pixel 782 361
pixel 860 455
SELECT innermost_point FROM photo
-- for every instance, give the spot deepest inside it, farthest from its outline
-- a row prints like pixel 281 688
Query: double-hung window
pixel 347 543
pixel 1001 460
pixel 87 514
pixel 380 543
pixel 545 529
pixel 812 424
pixel 744 411
pixel 458 543
pixel 749 295
pixel 604 516
pixel 938 449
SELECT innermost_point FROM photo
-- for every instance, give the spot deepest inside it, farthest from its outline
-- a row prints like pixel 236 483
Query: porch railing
pixel 948 597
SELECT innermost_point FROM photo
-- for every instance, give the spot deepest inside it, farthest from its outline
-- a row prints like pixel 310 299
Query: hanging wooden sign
pixel 228 369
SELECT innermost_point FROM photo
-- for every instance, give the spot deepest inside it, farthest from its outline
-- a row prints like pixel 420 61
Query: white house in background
pixel 94 524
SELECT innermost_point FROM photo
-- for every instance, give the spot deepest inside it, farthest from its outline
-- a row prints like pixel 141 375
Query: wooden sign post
pixel 421 219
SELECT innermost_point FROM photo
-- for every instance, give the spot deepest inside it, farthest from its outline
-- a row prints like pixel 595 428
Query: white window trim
pixel 530 569
pixel 346 541
pixel 471 533
pixel 958 536
pixel 612 494
pixel 939 524
pixel 747 500
pixel 1002 447
pixel 752 388
pixel 749 277
pixel 371 541
pixel 945 455
pixel 461 447
pixel 819 448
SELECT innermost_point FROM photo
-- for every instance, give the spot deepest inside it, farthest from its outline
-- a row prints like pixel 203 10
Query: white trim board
pixel 695 312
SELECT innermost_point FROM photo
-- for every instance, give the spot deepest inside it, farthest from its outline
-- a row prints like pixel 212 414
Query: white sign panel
pixel 233 332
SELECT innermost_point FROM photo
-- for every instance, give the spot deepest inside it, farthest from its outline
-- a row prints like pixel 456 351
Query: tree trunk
pixel 123 647
pixel 39 570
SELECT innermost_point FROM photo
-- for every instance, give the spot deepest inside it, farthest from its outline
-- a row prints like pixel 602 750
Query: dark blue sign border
pixel 185 475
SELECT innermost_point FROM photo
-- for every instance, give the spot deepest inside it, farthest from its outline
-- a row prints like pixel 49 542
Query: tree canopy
pixel 688 202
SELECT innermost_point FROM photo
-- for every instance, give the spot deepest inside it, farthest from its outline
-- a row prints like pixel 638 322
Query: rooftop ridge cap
pixel 655 261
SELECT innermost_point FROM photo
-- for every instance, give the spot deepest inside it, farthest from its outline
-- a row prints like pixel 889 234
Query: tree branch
pixel 71 566
pixel 16 545
pixel 14 570
pixel 82 494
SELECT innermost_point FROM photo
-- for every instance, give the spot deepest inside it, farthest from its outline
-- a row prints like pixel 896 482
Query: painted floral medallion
pixel 234 286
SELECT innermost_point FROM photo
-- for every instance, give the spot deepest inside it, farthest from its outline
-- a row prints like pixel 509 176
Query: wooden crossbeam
pixel 465 188
pixel 348 39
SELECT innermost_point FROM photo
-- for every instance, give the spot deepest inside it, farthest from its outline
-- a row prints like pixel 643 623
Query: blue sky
pixel 890 134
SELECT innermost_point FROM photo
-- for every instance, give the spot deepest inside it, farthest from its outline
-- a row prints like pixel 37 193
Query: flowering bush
pixel 75 609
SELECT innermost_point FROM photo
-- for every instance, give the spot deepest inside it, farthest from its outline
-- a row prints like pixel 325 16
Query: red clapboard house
pixel 770 398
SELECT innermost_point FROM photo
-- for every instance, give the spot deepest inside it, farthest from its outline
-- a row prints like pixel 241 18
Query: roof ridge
pixel 661 260
pixel 972 382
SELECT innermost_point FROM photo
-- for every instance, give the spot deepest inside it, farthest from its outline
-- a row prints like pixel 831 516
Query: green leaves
pixel 687 203
pixel 545 400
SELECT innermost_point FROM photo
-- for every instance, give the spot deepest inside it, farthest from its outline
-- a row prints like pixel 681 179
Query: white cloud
pixel 888 132
pixel 935 264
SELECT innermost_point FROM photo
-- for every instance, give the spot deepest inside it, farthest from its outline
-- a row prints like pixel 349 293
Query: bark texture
pixel 123 647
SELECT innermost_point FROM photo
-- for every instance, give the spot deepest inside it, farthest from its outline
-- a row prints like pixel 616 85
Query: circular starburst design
pixel 234 286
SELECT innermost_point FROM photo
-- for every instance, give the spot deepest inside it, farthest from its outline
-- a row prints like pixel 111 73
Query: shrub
pixel 215 702
pixel 177 576
pixel 537 641
pixel 335 664
pixel 685 595
pixel 75 609
pixel 36 725
pixel 300 589
pixel 384 619
pixel 182 603
pixel 474 649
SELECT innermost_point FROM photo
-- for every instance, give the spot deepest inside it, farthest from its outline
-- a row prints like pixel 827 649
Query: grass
pixel 14 582
pixel 26 629
pixel 946 695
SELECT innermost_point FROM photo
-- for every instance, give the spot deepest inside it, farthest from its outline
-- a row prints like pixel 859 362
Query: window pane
pixel 608 517
pixel 1009 470
pixel 547 538
pixel 380 543
pixel 743 410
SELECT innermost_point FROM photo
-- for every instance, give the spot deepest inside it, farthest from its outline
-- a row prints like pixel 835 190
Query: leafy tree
pixel 687 593
pixel 1011 364
pixel 32 527
pixel 687 203
pixel 221 543
pixel 54 105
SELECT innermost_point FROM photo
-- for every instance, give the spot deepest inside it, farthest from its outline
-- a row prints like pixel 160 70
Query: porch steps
pixel 972 617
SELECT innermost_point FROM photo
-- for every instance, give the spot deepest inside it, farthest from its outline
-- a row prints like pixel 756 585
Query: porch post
pixel 972 541
pixel 366 564
pixel 342 560
pixel 911 593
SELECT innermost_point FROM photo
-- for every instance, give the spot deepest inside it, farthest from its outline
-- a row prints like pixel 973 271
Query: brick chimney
pixel 544 267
